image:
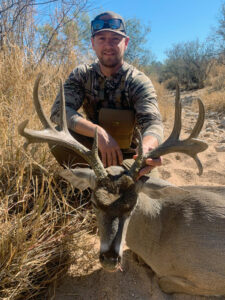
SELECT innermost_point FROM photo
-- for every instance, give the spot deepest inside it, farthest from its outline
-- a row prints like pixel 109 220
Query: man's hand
pixel 149 143
pixel 110 151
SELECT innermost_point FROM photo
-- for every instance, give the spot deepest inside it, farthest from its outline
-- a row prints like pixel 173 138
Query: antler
pixel 190 146
pixel 62 137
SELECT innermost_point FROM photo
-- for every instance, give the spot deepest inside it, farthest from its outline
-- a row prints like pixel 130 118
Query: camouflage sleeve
pixel 143 95
pixel 74 95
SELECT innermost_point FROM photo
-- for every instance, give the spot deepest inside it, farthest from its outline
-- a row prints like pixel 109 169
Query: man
pixel 111 93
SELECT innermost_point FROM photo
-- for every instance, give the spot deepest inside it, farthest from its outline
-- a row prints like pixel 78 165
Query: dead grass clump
pixel 214 94
pixel 214 100
pixel 40 214
pixel 165 103
pixel 37 225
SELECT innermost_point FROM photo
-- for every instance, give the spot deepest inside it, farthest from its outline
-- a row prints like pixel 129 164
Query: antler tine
pixel 63 122
pixel 140 160
pixel 63 137
pixel 177 118
pixel 43 118
pixel 190 146
pixel 199 124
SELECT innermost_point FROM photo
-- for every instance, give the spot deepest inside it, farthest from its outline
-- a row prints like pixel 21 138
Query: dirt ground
pixel 136 280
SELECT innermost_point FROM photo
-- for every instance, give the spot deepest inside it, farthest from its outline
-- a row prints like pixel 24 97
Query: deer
pixel 178 231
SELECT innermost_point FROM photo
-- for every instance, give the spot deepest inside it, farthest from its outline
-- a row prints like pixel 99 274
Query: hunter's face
pixel 109 48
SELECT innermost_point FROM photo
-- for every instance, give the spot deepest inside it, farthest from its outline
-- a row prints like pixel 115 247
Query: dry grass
pixel 165 103
pixel 214 95
pixel 37 225
pixel 39 213
pixel 214 100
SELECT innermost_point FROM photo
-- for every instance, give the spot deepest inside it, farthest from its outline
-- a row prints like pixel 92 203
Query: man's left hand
pixel 149 143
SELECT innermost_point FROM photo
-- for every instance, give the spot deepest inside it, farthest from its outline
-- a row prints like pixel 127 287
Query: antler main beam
pixel 190 146
pixel 62 137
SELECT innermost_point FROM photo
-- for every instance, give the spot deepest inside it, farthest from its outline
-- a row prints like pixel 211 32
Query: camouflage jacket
pixel 129 88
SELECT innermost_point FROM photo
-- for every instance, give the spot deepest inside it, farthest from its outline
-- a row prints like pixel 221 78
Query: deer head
pixel 115 190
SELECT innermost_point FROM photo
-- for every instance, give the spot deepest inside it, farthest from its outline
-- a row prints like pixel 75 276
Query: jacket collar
pixel 120 72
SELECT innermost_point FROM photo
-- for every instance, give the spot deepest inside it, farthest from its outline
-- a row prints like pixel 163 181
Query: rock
pixel 222 141
pixel 220 148
pixel 191 114
pixel 212 114
pixel 187 100
pixel 222 123
pixel 221 130
pixel 207 134
pixel 209 129
pixel 209 126
pixel 210 123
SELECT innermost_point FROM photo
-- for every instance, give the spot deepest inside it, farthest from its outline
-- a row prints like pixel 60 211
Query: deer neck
pixel 144 227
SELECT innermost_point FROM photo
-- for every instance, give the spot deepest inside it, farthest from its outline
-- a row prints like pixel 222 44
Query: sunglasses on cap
pixel 115 24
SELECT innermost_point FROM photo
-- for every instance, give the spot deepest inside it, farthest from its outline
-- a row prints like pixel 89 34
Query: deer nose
pixel 108 257
pixel 109 260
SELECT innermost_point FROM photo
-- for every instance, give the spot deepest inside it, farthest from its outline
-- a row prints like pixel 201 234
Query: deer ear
pixel 80 178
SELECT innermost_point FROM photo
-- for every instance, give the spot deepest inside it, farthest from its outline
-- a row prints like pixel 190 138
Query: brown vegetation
pixel 214 94
pixel 39 213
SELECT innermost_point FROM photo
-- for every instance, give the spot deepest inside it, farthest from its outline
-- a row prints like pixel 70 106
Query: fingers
pixel 114 157
pixel 111 154
pixel 111 157
pixel 156 162
pixel 150 164
pixel 145 171
pixel 119 156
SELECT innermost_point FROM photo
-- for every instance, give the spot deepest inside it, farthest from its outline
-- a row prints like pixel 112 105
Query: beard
pixel 110 62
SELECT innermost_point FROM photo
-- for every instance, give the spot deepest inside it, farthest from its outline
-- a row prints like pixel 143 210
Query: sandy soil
pixel 86 279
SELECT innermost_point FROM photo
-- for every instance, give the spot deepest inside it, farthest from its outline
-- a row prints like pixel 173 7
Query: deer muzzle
pixel 110 261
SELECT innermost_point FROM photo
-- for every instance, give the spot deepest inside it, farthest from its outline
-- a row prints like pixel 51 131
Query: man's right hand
pixel 110 151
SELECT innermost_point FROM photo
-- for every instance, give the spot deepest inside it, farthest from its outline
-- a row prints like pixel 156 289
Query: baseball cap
pixel 108 21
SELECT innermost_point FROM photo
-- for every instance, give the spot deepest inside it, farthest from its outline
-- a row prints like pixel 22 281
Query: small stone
pixel 222 123
pixel 207 134
pixel 220 148
pixel 209 129
pixel 191 114
pixel 210 125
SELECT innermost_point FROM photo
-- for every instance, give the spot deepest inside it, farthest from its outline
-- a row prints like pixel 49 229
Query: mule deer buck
pixel 178 231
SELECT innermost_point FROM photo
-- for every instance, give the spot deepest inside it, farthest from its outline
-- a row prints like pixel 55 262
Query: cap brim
pixel 112 30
